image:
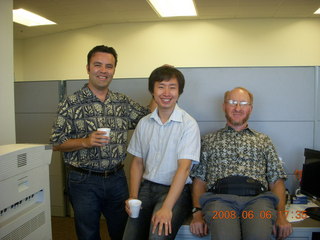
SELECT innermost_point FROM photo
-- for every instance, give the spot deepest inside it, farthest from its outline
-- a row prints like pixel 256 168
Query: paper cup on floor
pixel 135 206
pixel 106 130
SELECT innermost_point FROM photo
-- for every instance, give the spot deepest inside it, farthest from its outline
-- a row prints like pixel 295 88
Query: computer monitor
pixel 311 155
pixel 310 180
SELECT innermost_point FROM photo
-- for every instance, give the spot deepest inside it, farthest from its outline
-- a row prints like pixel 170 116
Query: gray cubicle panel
pixel 35 107
pixel 136 88
pixel 35 110
pixel 285 103
pixel 317 135
pixel 34 127
pixel 37 96
pixel 72 86
pixel 274 89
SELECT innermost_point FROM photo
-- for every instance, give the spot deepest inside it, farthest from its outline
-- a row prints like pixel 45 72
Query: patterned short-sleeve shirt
pixel 82 113
pixel 238 153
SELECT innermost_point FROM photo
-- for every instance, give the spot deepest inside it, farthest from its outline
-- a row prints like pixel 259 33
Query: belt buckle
pixel 106 174
pixel 112 171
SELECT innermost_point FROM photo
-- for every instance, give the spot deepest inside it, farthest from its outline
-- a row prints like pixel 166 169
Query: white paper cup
pixel 107 130
pixel 135 206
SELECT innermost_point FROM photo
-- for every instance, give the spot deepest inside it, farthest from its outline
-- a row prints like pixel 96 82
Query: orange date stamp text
pixel 232 214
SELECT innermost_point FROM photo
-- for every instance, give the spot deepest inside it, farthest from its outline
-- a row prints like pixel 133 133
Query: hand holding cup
pixel 106 133
pixel 135 205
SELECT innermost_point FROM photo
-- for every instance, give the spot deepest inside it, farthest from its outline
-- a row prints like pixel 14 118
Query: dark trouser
pixel 232 217
pixel 152 196
pixel 92 195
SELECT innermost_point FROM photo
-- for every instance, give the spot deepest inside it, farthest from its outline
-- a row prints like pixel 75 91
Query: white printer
pixel 25 192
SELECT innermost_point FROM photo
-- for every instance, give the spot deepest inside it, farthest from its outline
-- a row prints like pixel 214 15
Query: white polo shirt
pixel 162 145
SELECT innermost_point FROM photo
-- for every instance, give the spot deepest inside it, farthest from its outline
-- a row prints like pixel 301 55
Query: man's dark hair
pixel 105 49
pixel 165 73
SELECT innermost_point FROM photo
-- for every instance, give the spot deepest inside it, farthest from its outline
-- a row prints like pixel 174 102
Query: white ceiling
pixel 75 14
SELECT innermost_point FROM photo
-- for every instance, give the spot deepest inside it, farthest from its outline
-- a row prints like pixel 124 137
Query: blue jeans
pixel 92 195
pixel 152 196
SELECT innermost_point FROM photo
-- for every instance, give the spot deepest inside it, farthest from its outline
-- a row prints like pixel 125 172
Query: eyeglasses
pixel 235 103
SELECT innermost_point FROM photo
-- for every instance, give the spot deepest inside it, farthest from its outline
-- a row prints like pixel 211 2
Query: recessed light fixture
pixel 174 8
pixel 317 12
pixel 29 19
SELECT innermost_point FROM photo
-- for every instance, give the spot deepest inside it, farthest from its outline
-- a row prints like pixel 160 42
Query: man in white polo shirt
pixel 165 144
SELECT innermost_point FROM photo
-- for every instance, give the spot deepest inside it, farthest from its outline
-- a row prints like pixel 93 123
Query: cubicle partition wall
pixel 286 104
pixel 35 110
pixel 136 88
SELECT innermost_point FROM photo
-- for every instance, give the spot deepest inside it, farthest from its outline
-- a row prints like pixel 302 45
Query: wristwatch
pixel 196 209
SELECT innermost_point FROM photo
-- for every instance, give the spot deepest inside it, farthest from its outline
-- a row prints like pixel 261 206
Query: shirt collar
pixel 227 128
pixel 88 93
pixel 86 90
pixel 176 115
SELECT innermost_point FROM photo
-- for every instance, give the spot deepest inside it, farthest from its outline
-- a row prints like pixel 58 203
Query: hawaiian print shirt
pixel 82 113
pixel 231 153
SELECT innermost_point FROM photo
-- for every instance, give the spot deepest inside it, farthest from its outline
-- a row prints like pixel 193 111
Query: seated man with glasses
pixel 238 187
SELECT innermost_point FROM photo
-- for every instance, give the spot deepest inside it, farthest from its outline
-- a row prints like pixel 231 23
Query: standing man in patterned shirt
pixel 96 180
pixel 238 187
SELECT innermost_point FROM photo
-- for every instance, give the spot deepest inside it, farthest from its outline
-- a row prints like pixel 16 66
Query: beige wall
pixel 18 59
pixel 144 46
pixel 7 120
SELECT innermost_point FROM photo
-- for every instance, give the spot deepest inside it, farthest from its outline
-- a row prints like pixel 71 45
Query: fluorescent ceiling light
pixel 29 19
pixel 174 8
pixel 317 12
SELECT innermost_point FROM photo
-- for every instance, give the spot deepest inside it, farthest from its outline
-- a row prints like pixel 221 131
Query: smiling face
pixel 166 94
pixel 101 70
pixel 237 116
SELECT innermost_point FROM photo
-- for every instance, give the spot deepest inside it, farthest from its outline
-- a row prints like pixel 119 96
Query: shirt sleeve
pixel 62 126
pixel 136 112
pixel 189 145
pixel 135 145
pixel 200 170
pixel 275 169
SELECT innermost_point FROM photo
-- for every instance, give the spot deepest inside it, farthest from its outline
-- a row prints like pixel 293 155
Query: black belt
pixel 238 185
pixel 100 174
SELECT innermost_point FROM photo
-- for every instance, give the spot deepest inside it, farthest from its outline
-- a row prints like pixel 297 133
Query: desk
pixel 302 230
